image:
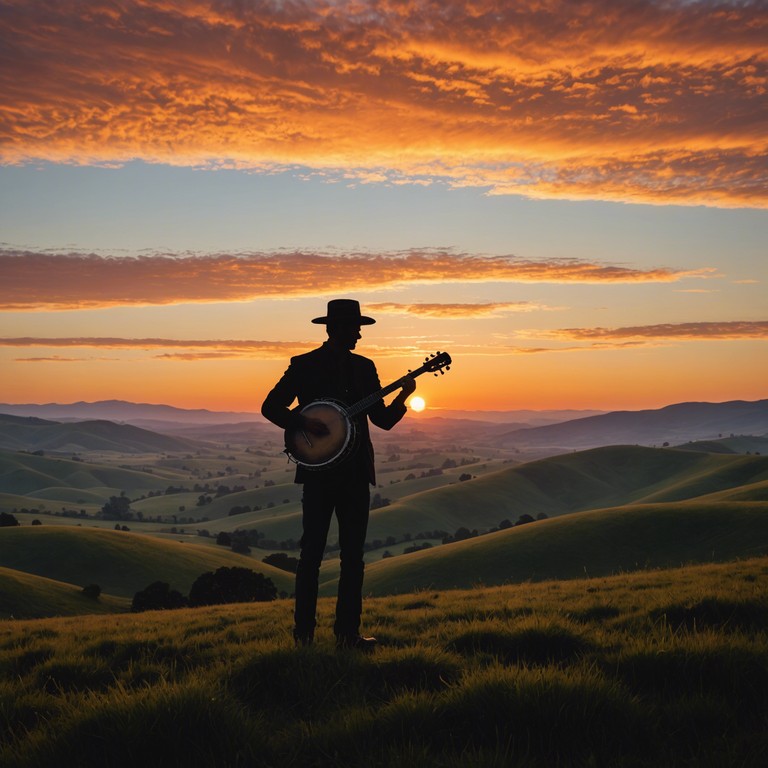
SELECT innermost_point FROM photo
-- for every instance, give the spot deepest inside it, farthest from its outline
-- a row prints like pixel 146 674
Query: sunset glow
pixel 417 404
pixel 569 197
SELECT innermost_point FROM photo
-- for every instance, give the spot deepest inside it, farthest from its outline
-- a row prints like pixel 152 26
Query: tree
pixel 377 502
pixel 117 508
pixel 156 597
pixel 524 520
pixel 283 561
pixel 7 520
pixel 240 543
pixel 92 591
pixel 231 585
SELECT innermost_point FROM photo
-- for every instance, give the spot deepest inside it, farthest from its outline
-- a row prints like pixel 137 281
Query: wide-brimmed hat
pixel 344 311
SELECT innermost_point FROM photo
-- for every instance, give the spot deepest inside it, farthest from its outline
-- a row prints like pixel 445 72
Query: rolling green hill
pixel 574 482
pixel 121 563
pixel 593 543
pixel 736 444
pixel 25 596
pixel 25 474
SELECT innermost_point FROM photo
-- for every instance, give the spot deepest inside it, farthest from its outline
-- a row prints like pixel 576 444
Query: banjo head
pixel 321 451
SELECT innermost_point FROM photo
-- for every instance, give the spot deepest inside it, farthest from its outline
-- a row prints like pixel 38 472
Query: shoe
pixel 355 643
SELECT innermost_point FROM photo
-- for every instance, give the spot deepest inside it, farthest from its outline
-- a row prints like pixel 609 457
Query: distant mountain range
pixel 528 430
pixel 121 410
pixel 674 424
pixel 158 416
pixel 33 434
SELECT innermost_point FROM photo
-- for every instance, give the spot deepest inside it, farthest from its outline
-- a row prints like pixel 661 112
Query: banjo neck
pixel 432 364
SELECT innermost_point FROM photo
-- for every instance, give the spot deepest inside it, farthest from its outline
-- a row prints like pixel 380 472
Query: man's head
pixel 344 334
pixel 343 321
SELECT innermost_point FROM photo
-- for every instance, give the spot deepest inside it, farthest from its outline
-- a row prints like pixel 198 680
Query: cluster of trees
pixel 226 585
pixel 7 520
pixel 242 540
pixel 415 548
pixel 433 472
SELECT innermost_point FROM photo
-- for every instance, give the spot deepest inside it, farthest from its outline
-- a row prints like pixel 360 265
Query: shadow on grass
pixel 532 646
pixel 717 614
pixel 311 684
pixel 547 717
pixel 176 726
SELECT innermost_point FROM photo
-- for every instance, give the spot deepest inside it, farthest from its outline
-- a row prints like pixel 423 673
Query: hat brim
pixel 361 319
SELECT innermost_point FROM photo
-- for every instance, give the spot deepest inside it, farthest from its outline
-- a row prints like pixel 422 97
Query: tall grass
pixel 665 668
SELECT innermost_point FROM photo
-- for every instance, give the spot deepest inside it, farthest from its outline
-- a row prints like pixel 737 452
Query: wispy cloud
pixel 204 347
pixel 748 329
pixel 41 280
pixel 651 101
pixel 60 359
pixel 456 311
pixel 581 340
pixel 193 349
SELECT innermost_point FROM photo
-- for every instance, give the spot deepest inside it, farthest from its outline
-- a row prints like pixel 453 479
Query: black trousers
pixel 350 500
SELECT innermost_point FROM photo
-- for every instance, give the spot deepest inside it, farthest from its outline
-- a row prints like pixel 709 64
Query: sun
pixel 417 403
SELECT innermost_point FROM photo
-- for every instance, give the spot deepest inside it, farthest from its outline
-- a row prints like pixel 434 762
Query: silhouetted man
pixel 332 371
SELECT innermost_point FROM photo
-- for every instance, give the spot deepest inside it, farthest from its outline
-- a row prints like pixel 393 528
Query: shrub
pixel 157 596
pixel 92 591
pixel 231 585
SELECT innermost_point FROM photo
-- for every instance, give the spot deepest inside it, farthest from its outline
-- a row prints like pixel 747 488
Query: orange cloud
pixel 42 280
pixel 704 331
pixel 652 101
pixel 219 347
pixel 456 311
pixel 193 349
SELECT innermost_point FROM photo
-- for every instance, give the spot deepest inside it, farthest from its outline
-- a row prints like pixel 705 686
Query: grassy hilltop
pixel 655 669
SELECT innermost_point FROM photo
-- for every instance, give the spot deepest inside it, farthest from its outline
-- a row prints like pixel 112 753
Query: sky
pixel 569 197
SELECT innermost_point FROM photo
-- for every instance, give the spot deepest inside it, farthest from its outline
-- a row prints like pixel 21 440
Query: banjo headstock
pixel 437 362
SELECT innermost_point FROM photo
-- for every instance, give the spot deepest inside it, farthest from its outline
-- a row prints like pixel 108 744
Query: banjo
pixel 318 452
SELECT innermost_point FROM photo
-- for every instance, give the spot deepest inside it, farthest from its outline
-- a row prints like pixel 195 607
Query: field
pixel 657 668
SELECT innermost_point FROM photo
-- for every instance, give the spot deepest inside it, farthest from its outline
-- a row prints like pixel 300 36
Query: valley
pixel 456 503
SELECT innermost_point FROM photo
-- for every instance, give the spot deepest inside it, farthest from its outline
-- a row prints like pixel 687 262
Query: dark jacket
pixel 327 373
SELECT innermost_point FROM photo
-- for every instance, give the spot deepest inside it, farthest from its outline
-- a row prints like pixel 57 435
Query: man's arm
pixel 386 416
pixel 276 406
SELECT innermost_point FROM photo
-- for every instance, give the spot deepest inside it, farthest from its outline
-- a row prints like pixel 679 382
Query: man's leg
pixel 317 509
pixel 352 505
